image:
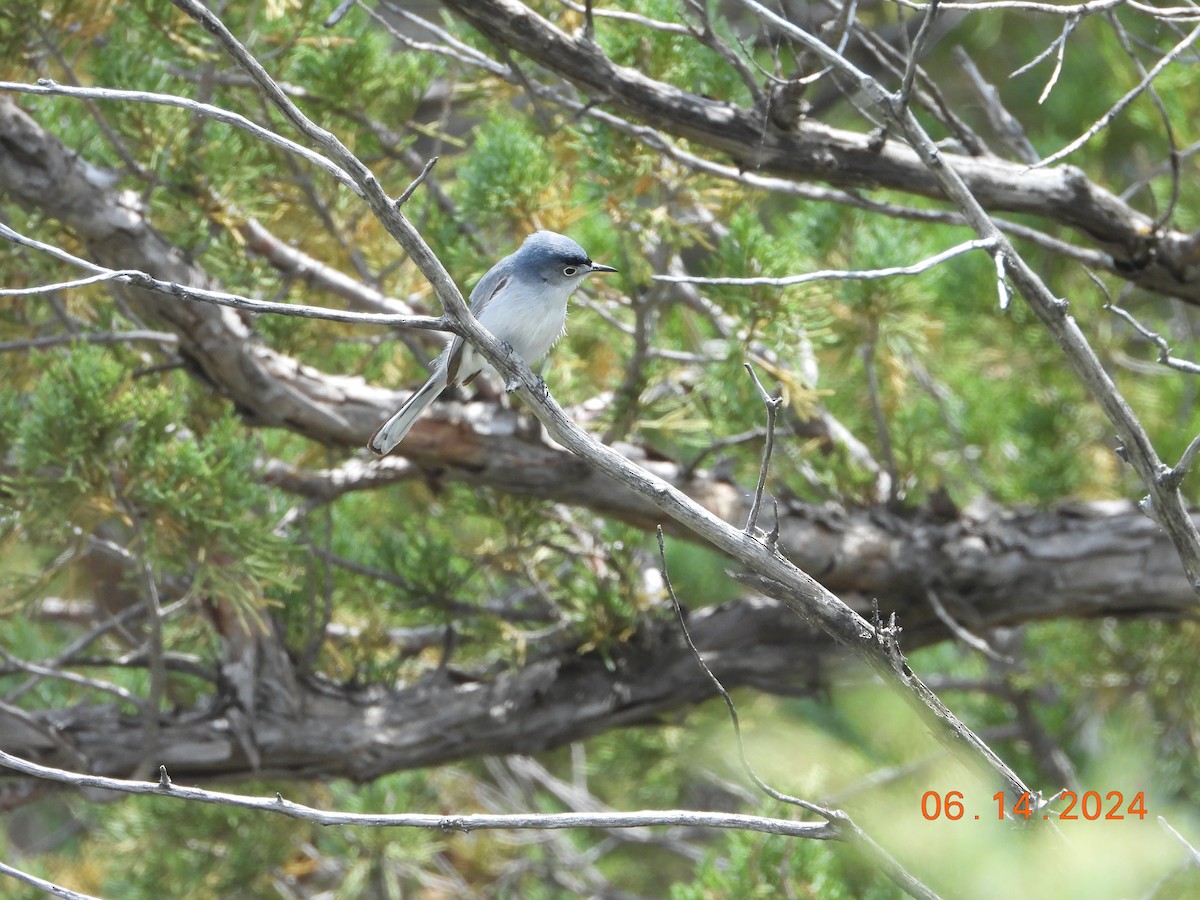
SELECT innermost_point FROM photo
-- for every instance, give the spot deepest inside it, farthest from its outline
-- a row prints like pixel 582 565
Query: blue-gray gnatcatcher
pixel 522 300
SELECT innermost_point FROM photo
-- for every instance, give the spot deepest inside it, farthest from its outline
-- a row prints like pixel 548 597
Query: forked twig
pixel 729 705
pixel 836 818
pixel 772 404
pixel 416 182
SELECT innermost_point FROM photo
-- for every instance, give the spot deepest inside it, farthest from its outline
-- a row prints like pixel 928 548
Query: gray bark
pixel 1168 262
pixel 1085 561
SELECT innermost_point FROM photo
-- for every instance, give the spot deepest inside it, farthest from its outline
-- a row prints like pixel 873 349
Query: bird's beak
pixel 596 267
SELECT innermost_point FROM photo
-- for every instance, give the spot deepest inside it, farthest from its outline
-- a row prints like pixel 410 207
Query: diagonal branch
pixel 813 151
pixel 1166 504
pixel 1118 107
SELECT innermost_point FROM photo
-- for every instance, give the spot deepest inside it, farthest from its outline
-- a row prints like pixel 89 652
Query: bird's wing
pixel 454 359
pixel 491 284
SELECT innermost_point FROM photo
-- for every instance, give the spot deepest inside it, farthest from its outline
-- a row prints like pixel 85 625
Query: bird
pixel 522 300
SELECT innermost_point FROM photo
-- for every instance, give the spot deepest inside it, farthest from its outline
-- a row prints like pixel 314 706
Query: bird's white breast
pixel 529 317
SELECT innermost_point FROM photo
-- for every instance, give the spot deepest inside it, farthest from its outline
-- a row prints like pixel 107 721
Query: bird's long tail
pixel 392 431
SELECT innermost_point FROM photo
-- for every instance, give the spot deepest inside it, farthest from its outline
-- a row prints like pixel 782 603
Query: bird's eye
pixel 569 271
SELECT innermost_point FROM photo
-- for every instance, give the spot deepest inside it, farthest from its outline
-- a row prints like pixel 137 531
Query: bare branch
pixel 1068 9
pixel 1192 851
pixel 1004 123
pixel 138 704
pixel 971 640
pixel 1118 107
pixel 464 823
pixel 416 182
pixel 1068 27
pixel 1174 160
pixel 729 705
pixel 47 887
pixel 219 298
pixel 623 16
pixel 46 86
pixel 1166 505
pixel 916 52
pixel 90 337
pixel 295 263
pixel 1165 357
pixel 339 13
pixel 834 818
pixel 838 274
pixel 1187 460
pixel 772 405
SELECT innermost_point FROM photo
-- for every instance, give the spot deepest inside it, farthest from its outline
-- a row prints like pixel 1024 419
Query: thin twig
pixel 73 650
pixel 111 136
pixel 918 48
pixel 157 689
pixel 92 337
pixel 1164 349
pixel 834 817
pixel 1075 9
pixel 1174 160
pixel 1033 63
pixel 47 86
pixel 443 823
pixel 293 263
pixel 707 35
pixel 48 730
pixel 1192 851
pixel 1161 169
pixel 838 274
pixel 589 23
pixel 1187 460
pixel 58 286
pixel 416 182
pixel 1118 107
pixel 772 405
pixel 339 13
pixel 622 15
pixel 729 704
pixel 1059 56
pixel 959 631
pixel 71 678
pixel 1004 123
pixel 926 90
pixel 48 887
pixel 220 298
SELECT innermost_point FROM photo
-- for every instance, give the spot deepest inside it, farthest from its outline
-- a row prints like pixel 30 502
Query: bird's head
pixel 556 259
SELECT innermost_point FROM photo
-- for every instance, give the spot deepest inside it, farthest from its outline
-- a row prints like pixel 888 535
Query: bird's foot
pixel 538 390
